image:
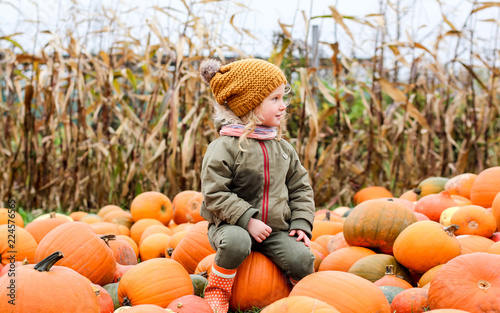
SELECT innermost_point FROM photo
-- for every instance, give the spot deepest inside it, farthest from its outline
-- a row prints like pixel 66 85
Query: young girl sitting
pixel 256 192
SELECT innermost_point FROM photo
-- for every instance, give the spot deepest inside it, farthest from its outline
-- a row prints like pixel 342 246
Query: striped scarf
pixel 260 132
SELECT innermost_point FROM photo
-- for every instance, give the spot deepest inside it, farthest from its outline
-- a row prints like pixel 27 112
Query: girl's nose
pixel 282 106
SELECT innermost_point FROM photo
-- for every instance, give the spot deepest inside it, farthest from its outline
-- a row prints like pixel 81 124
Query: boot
pixel 218 290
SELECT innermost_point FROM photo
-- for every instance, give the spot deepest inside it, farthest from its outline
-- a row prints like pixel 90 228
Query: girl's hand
pixel 301 236
pixel 258 229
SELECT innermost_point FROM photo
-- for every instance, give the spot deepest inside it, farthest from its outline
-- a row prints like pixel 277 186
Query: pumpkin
pixel 175 239
pixel 120 271
pixel 327 227
pixel 122 251
pixel 190 304
pixel 343 259
pixel 376 224
pixel 154 246
pixel 473 243
pixel 142 308
pixel 421 217
pixel 157 281
pixel 413 300
pixel 16 239
pixel 474 220
pixel 319 247
pixel 37 285
pixel 461 201
pixel 140 226
pixel 434 204
pixel 430 185
pixel 429 275
pixel 318 258
pixel 340 211
pixel 131 242
pixel 112 290
pixel 108 208
pixel 324 239
pixel 495 209
pixel 119 217
pixel 486 187
pixel 448 311
pixel 182 227
pixel 152 204
pixel 372 267
pixel 494 248
pixel 105 301
pixel 11 267
pixel 199 284
pixel 77 215
pixel 390 279
pixel 352 294
pixel 179 204
pixel 90 219
pixel 204 267
pixel 192 208
pixel 193 247
pixel 53 215
pixel 299 304
pixel 460 184
pixel 445 218
pixel 84 251
pixel 409 195
pixel 469 282
pixel 370 193
pixel 155 229
pixel 336 242
pixel 105 228
pixel 258 282
pixel 390 292
pixel 426 244
pixel 6 215
pixel 38 229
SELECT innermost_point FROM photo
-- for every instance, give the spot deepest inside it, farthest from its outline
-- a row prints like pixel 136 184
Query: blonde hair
pixel 224 116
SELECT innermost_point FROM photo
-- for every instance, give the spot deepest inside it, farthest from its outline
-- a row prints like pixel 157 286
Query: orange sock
pixel 218 290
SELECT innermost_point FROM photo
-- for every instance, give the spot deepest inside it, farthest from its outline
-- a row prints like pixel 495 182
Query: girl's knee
pixel 301 265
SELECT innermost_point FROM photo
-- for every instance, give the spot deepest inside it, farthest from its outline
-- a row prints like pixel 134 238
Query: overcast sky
pixel 420 19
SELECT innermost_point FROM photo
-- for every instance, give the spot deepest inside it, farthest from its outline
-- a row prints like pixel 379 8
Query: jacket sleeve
pixel 216 177
pixel 301 195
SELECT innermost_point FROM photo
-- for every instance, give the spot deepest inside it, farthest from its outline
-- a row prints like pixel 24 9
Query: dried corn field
pixel 84 128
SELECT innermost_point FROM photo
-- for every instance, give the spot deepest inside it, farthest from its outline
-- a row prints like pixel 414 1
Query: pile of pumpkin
pixel 436 248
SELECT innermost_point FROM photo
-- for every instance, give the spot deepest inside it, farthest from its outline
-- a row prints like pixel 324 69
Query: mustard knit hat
pixel 241 85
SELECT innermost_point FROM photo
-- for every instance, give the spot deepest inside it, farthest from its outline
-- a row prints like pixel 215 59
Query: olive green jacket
pixel 267 182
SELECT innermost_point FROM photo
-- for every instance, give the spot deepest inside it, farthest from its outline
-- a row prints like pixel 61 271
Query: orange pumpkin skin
pixel 494 248
pixel 428 275
pixel 430 245
pixel 138 228
pixel 24 244
pixel 377 224
pixel 343 259
pixel 38 229
pixel 413 300
pixel 108 208
pixel 155 229
pixel 4 218
pixel 144 308
pixel 157 281
pixel 120 271
pixel 486 187
pixel 448 311
pixel 35 290
pixel 152 204
pixel 409 195
pixel 336 242
pixel 122 251
pixel 495 209
pixel 370 193
pixel 319 247
pixel 179 204
pixel 460 184
pixel 434 204
pixel 325 228
pixel 131 242
pixel 251 291
pixel 190 304
pixel 390 279
pixel 84 251
pixel 105 300
pixel 77 215
pixel 154 246
pixel 469 282
pixel 299 304
pixel 474 243
pixel 193 247
pixel 346 292
pixel 205 265
pixel 474 220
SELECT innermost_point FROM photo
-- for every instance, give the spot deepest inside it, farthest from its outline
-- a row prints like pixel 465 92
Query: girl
pixel 256 192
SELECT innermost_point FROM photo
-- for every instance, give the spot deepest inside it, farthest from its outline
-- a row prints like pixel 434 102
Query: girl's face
pixel 272 109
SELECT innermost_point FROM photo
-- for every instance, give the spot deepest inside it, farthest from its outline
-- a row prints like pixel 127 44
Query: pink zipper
pixel 267 179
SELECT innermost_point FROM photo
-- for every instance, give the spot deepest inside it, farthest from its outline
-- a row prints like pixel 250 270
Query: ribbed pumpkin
pixel 155 229
pixel 123 252
pixel 299 304
pixel 426 244
pixel 193 247
pixel 105 228
pixel 486 187
pixel 152 204
pixel 104 298
pixel 494 248
pixel 343 259
pixel 372 267
pixel 370 193
pixel 429 275
pixel 157 281
pixel 4 218
pixel 46 288
pixel 390 279
pixel 468 282
pixel 140 226
pixel 474 220
pixel 179 204
pixel 460 184
pixel 190 304
pixel 38 229
pixel 413 300
pixel 205 265
pixel 84 251
pixel 131 242
pixel 24 244
pixel 258 282
pixel 154 246
pixel 376 224
pixel 495 209
pixel 473 243
pixel 346 292
pixel 434 204
pixel 430 185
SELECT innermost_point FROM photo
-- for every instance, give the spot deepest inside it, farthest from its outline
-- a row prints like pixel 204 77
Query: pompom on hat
pixel 241 85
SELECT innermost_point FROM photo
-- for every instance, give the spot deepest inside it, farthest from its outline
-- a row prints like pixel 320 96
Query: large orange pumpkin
pixel 474 243
pixel 140 226
pixel 370 193
pixel 258 282
pixel 180 205
pixel 38 229
pixel 469 282
pixel 474 220
pixel 486 187
pixel 425 244
pixel 157 281
pixel 193 247
pixel 23 244
pixel 321 228
pixel 346 292
pixel 413 300
pixel 7 215
pixel 343 259
pixel 152 204
pixel 376 224
pixel 299 304
pixel 123 251
pixel 45 288
pixel 154 246
pixel 84 251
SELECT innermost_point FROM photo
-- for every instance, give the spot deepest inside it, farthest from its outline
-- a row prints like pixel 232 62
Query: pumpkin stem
pixel 389 269
pixel 418 191
pixel 390 199
pixel 170 251
pixel 327 216
pixel 46 264
pixel 107 238
pixel 126 302
pixel 203 274
pixel 25 261
pixel 483 284
pixel 52 214
pixel 450 230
